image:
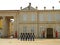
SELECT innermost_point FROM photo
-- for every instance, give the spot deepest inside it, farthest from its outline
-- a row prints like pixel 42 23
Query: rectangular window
pixel 49 17
pixel 33 17
pixel 41 17
pixel 24 17
pixel 57 17
pixel 41 29
pixel 24 29
pixel 32 29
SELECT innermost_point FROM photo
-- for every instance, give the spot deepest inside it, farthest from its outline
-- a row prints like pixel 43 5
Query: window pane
pixel 33 17
pixel 41 17
pixel 57 17
pixel 24 17
pixel 49 17
pixel 32 29
pixel 41 29
pixel 24 29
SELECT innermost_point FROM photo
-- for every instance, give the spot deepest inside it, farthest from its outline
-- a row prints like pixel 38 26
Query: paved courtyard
pixel 36 42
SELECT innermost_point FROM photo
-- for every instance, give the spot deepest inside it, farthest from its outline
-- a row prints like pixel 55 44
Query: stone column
pixel 15 24
pixel 37 24
pixel 18 25
pixel 5 27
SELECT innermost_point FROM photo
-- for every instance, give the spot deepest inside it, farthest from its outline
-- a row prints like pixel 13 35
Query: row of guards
pixel 43 33
pixel 27 36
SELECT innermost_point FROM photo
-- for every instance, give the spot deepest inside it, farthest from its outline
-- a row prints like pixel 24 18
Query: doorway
pixel 49 32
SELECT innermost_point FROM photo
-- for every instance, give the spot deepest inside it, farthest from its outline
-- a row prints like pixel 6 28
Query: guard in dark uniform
pixel 30 37
pixel 21 36
pixel 26 35
pixel 33 36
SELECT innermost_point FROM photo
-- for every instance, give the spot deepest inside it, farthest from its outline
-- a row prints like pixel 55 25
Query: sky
pixel 16 4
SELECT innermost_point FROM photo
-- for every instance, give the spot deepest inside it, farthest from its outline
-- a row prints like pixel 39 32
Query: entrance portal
pixel 49 32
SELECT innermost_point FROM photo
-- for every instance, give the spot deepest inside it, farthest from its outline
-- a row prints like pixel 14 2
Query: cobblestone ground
pixel 36 42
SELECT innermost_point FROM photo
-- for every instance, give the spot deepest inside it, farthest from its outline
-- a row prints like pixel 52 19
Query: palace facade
pixel 30 20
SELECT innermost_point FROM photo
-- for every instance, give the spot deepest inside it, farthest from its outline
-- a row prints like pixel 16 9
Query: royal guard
pixel 56 34
pixel 21 36
pixel 15 34
pixel 33 36
pixel 43 34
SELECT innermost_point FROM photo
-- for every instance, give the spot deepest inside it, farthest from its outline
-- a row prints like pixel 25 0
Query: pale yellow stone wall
pixel 39 24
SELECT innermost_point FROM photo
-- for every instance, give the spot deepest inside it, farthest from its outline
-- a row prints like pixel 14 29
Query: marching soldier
pixel 33 36
pixel 26 36
pixel 21 36
pixel 30 36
